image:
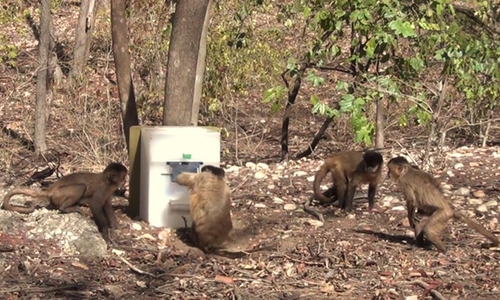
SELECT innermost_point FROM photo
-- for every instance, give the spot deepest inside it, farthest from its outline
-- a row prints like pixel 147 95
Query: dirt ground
pixel 365 255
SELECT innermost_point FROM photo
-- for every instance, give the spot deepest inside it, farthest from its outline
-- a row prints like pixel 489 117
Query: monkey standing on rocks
pixel 421 192
pixel 348 170
pixel 210 207
pixel 94 189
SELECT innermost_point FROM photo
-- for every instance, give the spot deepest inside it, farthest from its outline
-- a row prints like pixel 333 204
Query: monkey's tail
pixel 320 175
pixel 21 191
pixel 477 227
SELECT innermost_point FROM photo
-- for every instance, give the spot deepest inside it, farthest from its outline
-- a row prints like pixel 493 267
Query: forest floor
pixel 363 255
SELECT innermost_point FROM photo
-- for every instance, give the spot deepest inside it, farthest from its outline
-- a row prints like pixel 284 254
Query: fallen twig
pixel 134 268
pixel 435 294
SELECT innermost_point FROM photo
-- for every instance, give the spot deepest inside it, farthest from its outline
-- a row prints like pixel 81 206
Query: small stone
pixel 474 164
pixel 440 273
pixel 479 194
pixel 250 165
pixel 491 203
pixel 351 216
pixel 259 205
pixel 405 222
pixel 473 201
pixel 271 187
pixel 450 174
pixel 300 173
pixel 463 191
pixel 446 187
pixel 259 175
pixel 399 208
pixel 413 297
pixel 482 208
pixel 310 178
pixel 313 222
pixel 458 166
pixel 280 167
pixel 278 200
pixel 290 206
pixel 232 169
pixel 136 226
pixel 262 166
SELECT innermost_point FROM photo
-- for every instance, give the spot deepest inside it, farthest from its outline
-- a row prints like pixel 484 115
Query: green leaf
pixel 403 28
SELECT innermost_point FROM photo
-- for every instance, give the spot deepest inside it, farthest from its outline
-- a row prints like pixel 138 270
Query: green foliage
pixel 8 51
pixel 392 46
pixel 241 56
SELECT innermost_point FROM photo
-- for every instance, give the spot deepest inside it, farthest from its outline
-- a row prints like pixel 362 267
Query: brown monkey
pixel 348 170
pixel 94 189
pixel 421 192
pixel 209 206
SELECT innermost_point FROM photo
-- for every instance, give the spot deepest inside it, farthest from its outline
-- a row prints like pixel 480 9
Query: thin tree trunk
pixel 183 60
pixel 380 123
pixel 42 78
pixel 200 70
pixel 122 64
pixel 83 39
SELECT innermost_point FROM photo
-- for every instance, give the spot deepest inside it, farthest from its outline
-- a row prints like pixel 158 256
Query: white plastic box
pixel 164 202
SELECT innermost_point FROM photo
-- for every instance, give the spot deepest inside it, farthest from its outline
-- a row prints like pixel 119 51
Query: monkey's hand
pixel 186 179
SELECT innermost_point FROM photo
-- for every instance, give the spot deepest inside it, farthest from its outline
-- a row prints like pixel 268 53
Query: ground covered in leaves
pixel 364 255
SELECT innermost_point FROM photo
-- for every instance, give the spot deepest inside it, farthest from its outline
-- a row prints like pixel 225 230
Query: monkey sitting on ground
pixel 210 207
pixel 420 190
pixel 94 189
pixel 348 170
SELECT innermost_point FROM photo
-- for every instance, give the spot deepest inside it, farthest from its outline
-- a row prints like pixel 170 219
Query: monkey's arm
pixel 186 179
pixel 410 206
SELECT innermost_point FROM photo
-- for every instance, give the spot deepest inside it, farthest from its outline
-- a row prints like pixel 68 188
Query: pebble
pixel 250 165
pixel 313 222
pixel 412 297
pixel 271 187
pixel 278 200
pixel 310 179
pixel 458 166
pixel 232 169
pixel 290 206
pixel 463 191
pixel 399 208
pixel 479 194
pixel 259 175
pixel 491 203
pixel 473 201
pixel 263 166
pixel 482 208
pixel 474 164
pixel 300 173
pixel 136 226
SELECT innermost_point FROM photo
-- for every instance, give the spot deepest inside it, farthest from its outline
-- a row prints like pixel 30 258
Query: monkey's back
pixel 210 208
pixel 425 188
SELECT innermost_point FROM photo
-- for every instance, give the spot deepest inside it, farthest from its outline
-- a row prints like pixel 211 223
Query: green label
pixel 186 156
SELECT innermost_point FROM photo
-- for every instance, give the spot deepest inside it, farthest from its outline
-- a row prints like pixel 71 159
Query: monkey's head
pixel 373 161
pixel 398 166
pixel 116 173
pixel 219 172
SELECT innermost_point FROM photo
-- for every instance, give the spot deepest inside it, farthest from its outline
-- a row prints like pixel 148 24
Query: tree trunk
pixel 380 123
pixel 183 61
pixel 83 39
pixel 122 64
pixel 42 78
pixel 200 70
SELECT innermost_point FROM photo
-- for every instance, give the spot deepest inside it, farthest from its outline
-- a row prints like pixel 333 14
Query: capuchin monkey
pixel 210 207
pixel 348 170
pixel 422 192
pixel 70 191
